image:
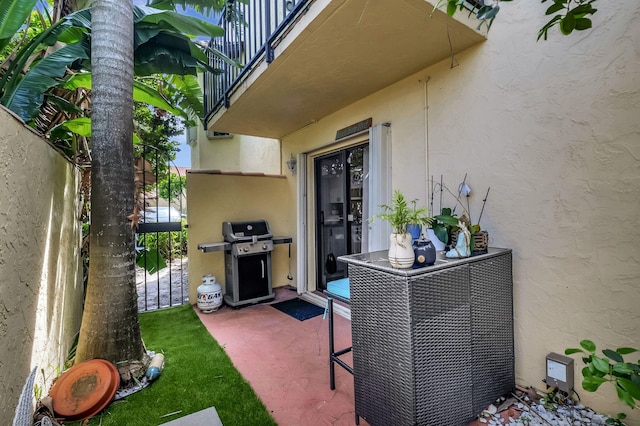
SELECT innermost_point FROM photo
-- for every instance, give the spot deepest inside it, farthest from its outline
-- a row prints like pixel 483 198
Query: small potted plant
pixel 400 215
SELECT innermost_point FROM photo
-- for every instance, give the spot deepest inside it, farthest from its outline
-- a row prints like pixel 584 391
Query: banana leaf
pixel 80 126
pixel 168 19
pixel 169 54
pixel 185 92
pixel 13 14
pixel 141 93
pixel 204 7
pixel 28 95
pixel 161 49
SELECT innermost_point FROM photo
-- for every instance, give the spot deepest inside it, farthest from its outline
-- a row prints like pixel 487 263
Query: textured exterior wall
pixel 216 198
pixel 238 153
pixel 41 289
pixel 553 128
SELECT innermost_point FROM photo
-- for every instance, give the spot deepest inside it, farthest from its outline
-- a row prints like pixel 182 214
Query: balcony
pixel 306 59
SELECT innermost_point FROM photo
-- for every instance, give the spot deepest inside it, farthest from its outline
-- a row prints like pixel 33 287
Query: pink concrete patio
pixel 286 361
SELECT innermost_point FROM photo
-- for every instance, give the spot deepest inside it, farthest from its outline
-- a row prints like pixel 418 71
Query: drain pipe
pixel 429 184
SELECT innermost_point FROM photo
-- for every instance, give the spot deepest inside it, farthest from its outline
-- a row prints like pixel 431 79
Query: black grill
pixel 247 261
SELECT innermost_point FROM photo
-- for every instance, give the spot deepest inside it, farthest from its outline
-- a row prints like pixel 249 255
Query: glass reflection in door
pixel 340 210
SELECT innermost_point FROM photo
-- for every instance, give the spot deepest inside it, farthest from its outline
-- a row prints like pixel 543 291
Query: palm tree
pixel 110 328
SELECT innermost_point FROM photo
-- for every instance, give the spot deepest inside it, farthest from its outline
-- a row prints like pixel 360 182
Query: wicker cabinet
pixel 434 345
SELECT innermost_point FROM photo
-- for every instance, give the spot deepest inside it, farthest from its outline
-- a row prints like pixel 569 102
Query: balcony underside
pixel 338 52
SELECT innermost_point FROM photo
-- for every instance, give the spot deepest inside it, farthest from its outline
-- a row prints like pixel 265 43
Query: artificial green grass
pixel 198 374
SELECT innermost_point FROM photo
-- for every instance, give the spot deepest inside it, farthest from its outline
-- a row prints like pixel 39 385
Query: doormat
pixel 299 309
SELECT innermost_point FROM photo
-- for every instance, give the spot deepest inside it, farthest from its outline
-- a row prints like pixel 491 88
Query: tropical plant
pixel 612 368
pixel 444 224
pixel 399 214
pixel 160 248
pixel 160 48
pixel 172 186
pixel 568 15
pixel 52 93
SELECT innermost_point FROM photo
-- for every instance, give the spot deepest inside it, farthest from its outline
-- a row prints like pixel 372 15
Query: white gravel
pixel 536 414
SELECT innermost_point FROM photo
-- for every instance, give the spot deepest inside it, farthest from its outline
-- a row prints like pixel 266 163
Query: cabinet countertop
pixel 379 260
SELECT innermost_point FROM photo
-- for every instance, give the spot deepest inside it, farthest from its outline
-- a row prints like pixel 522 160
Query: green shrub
pixel 160 248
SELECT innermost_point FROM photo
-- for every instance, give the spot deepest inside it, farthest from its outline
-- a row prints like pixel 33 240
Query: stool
pixel 339 290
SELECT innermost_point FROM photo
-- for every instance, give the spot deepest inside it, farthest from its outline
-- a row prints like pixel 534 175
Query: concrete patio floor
pixel 286 361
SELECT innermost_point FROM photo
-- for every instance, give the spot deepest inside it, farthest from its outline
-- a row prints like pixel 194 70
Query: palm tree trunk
pixel 110 328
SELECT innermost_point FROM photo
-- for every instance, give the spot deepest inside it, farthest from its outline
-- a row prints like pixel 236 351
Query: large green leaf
pixel 29 94
pixel 625 397
pixel 141 92
pixel 622 368
pixel 169 19
pixel 13 13
pixel 615 356
pixel 186 93
pixel 629 386
pixel 600 364
pixel 13 73
pixel 80 126
pixel 592 383
pixel 170 54
pixel 588 345
pixel 202 6
pixel 151 260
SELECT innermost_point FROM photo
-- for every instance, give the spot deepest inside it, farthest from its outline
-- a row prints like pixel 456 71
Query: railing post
pixel 268 50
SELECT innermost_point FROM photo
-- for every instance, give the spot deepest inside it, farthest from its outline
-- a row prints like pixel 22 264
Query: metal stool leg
pixel 332 379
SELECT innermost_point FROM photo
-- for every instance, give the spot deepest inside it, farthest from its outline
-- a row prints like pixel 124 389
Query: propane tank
pixel 209 294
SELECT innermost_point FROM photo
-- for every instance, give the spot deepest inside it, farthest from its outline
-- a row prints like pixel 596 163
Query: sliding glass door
pixel 341 180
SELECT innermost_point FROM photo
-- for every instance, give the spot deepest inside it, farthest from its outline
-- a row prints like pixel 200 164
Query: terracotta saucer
pixel 85 389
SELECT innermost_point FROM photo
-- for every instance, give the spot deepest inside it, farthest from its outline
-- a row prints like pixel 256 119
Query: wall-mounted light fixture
pixel 291 164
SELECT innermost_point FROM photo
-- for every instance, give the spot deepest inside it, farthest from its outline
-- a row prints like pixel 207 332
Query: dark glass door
pixel 339 211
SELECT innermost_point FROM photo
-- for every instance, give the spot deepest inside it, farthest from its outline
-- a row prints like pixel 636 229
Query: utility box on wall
pixel 559 372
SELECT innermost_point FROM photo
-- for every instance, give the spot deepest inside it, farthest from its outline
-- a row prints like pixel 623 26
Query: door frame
pixel 379 139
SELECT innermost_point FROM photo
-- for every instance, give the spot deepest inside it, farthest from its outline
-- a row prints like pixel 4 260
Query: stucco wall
pixel 237 153
pixel 216 198
pixel 41 288
pixel 553 128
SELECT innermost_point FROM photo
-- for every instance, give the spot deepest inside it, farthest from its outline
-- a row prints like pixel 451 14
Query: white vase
pixel 401 251
pixel 439 245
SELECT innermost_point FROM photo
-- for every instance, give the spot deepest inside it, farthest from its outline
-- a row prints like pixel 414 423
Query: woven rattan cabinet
pixel 431 346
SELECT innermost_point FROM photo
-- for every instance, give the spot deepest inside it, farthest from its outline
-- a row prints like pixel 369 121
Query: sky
pixel 183 157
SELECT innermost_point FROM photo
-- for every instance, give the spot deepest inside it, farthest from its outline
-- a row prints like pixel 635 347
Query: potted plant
pixel 399 215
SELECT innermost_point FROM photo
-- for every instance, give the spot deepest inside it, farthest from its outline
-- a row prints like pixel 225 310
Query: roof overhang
pixel 338 52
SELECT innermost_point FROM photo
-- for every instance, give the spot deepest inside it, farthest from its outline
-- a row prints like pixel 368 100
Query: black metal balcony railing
pixel 251 29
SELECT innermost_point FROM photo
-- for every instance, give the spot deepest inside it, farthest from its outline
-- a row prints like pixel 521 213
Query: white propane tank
pixel 209 294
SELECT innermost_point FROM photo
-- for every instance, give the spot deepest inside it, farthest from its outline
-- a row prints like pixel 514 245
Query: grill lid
pixel 246 231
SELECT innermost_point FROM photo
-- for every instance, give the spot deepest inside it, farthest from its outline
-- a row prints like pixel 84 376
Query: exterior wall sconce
pixel 291 164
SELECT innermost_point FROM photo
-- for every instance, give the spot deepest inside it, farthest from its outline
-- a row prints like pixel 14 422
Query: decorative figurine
pixel 462 248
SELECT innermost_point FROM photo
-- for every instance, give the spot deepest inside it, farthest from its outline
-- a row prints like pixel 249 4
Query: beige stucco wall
pixel 238 153
pixel 216 198
pixel 553 128
pixel 41 288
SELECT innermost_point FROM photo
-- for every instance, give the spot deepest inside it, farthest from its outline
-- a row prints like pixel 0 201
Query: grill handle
pixel 262 263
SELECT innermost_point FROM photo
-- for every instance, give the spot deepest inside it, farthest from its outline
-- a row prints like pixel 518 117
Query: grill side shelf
pixel 211 247
pixel 282 240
